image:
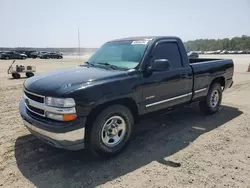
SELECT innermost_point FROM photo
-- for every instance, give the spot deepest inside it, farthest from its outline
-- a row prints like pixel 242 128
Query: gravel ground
pixel 179 149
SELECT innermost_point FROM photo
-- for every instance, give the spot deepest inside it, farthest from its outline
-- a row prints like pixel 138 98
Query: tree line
pixel 236 43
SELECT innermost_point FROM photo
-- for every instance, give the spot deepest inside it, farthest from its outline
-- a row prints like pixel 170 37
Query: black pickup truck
pixel 97 103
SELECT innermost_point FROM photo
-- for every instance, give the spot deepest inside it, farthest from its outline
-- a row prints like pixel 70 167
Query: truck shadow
pixel 21 78
pixel 156 138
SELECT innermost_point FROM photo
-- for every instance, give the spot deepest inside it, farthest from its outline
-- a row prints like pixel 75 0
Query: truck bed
pixel 199 60
pixel 205 70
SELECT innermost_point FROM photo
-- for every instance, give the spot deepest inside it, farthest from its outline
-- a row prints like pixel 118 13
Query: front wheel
pixel 111 130
pixel 213 100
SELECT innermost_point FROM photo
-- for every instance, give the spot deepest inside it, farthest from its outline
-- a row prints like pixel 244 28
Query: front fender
pixel 88 98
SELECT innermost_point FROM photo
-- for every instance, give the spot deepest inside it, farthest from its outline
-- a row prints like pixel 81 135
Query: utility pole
pixel 79 44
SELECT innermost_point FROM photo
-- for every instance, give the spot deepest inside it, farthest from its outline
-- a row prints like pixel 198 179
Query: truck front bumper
pixel 68 136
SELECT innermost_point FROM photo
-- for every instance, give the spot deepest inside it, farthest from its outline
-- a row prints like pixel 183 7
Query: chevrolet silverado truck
pixel 96 104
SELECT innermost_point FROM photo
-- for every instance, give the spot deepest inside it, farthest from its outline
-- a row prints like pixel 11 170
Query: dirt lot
pixel 180 149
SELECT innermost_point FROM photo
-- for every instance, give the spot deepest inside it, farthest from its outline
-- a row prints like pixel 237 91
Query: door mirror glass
pixel 159 65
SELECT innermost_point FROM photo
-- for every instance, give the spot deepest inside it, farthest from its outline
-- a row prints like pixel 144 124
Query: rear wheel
pixel 29 74
pixel 111 130
pixel 23 57
pixel 213 100
pixel 16 75
pixel 7 58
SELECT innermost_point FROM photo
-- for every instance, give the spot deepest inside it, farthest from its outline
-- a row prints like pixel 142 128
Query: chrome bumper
pixel 72 140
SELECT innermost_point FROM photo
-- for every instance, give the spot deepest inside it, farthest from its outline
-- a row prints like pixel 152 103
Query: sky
pixel 54 23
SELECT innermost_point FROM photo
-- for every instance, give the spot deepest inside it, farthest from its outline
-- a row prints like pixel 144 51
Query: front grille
pixel 34 103
pixel 34 97
pixel 36 110
pixel 36 116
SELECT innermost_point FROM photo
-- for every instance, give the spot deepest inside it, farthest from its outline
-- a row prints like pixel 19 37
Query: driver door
pixel 164 89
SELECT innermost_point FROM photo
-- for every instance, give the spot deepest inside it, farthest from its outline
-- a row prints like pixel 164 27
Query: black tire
pixel 29 74
pixel 16 75
pixel 23 57
pixel 96 133
pixel 7 58
pixel 47 57
pixel 207 106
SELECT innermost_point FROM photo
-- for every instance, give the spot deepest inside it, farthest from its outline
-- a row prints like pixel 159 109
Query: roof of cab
pixel 145 38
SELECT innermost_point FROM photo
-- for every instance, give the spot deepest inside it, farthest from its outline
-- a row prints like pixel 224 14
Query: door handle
pixel 184 75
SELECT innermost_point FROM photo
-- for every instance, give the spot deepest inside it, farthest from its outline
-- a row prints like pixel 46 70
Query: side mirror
pixel 159 65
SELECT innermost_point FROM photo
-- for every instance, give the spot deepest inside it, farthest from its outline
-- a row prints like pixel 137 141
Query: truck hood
pixel 59 82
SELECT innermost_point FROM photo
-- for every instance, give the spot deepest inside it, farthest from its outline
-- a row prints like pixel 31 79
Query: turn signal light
pixel 69 117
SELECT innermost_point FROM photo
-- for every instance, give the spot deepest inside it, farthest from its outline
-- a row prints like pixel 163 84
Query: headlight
pixel 59 102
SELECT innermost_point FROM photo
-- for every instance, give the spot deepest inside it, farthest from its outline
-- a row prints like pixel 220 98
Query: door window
pixel 169 51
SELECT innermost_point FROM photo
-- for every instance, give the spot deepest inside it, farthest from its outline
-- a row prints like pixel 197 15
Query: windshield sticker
pixel 144 42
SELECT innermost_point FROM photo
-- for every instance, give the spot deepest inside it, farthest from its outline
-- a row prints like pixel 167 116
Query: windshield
pixel 124 54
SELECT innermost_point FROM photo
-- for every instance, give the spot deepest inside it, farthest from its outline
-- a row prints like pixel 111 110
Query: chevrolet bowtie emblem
pixel 27 101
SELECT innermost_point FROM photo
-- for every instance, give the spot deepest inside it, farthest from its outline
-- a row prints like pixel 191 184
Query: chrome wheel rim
pixel 215 97
pixel 113 131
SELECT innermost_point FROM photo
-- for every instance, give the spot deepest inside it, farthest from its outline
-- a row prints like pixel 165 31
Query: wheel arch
pixel 127 102
pixel 221 80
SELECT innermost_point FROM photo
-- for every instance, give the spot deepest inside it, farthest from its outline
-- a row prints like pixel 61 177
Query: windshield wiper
pixel 88 63
pixel 109 65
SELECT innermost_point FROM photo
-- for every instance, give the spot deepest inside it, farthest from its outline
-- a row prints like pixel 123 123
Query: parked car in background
pixel 210 52
pixel 200 52
pixel 224 52
pixel 27 52
pixel 51 55
pixel 41 53
pixel 217 52
pixel 241 52
pixel 247 51
pixel 232 52
pixel 193 55
pixel 13 55
pixel 34 55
